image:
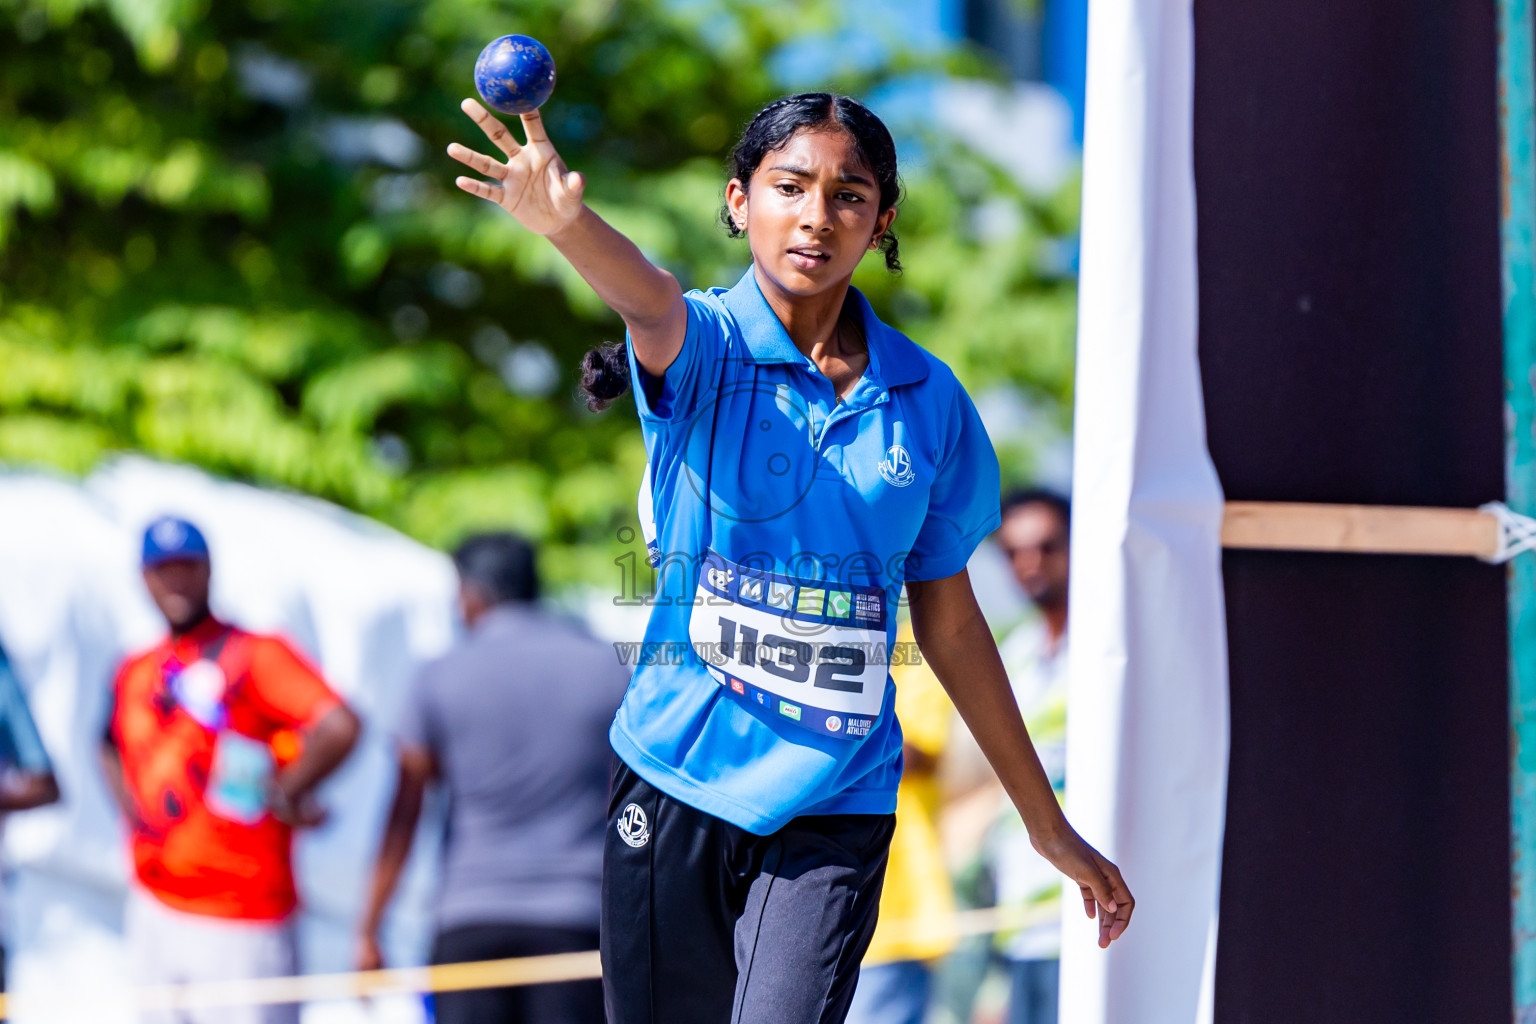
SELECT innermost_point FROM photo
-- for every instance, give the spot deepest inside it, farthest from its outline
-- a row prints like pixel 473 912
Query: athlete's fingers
pixel 1124 903
pixel 1098 900
pixel 1122 920
pixel 494 129
pixel 533 127
pixel 561 181
pixel 1099 886
pixel 488 190
pixel 478 161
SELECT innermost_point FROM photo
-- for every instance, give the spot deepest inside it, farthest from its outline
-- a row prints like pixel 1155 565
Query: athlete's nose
pixel 817 217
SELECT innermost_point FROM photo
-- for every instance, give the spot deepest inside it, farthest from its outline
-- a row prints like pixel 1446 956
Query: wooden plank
pixel 1364 529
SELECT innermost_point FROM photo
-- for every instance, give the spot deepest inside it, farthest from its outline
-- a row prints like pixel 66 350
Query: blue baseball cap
pixel 169 537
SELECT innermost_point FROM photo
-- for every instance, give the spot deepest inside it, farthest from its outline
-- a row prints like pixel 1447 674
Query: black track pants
pixel 706 923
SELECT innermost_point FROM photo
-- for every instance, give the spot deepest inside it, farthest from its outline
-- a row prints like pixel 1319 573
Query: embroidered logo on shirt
pixel 632 826
pixel 896 467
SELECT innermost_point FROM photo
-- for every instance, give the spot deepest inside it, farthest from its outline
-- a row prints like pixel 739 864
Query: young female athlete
pixel 806 461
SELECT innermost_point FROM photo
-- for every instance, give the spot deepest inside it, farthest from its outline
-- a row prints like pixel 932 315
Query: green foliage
pixel 228 235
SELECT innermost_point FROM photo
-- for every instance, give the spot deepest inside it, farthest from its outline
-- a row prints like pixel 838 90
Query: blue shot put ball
pixel 515 74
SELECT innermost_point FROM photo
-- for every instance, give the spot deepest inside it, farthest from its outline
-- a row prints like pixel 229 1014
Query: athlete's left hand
pixel 1104 892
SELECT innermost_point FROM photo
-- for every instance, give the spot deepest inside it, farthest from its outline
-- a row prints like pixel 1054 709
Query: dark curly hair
pixel 604 375
pixel 605 369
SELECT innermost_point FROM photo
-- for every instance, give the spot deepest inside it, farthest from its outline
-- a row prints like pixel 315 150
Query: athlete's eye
pixel 850 197
pixel 788 188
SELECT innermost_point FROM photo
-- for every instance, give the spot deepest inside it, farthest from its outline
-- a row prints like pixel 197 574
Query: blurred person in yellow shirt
pixel 917 904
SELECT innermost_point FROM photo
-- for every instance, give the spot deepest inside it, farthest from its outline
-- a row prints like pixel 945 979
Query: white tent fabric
pixel 367 604
pixel 1148 722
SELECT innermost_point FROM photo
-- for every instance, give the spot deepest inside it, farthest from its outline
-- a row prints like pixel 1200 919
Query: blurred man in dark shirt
pixel 514 722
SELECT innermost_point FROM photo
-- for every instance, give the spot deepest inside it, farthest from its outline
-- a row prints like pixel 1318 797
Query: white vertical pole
pixel 1147 724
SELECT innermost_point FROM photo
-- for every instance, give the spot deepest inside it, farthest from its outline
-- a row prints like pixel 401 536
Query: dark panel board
pixel 1346 162
pixel 1365 876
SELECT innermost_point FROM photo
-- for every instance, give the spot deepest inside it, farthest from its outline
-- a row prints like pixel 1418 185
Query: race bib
pixel 237 783
pixel 812 653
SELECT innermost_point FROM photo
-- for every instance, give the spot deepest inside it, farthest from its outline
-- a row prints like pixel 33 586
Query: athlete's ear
pixel 736 203
pixel 882 225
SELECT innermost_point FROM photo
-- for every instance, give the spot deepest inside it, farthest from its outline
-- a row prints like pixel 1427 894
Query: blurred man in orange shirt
pixel 216 742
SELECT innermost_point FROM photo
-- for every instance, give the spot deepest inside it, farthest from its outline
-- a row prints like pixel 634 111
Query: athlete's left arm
pixel 958 646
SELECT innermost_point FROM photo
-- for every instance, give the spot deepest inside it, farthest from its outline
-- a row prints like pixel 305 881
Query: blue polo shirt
pixel 787 522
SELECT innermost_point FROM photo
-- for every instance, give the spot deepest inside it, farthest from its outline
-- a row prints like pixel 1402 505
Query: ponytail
pixel 604 375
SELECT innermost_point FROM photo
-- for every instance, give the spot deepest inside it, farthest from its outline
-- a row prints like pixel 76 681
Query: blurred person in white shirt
pixel 1034 538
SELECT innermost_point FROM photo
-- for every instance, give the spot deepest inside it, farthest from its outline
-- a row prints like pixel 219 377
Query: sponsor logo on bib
pixel 834 723
pixel 632 826
pixel 781 595
pixel 810 602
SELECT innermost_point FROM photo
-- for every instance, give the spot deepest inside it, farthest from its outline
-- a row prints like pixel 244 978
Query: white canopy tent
pixel 367 604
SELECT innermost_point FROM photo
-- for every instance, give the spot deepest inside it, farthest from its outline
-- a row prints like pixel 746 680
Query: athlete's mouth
pixel 809 256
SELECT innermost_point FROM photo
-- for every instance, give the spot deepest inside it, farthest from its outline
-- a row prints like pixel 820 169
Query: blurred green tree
pixel 228 237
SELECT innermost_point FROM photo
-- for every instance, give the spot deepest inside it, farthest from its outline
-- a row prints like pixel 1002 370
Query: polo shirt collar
pixel 893 357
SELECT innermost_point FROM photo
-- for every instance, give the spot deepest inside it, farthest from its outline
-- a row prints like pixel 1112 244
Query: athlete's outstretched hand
pixel 1103 890
pixel 533 185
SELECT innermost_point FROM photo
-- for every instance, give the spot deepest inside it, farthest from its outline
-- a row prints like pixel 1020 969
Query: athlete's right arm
pixel 534 186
